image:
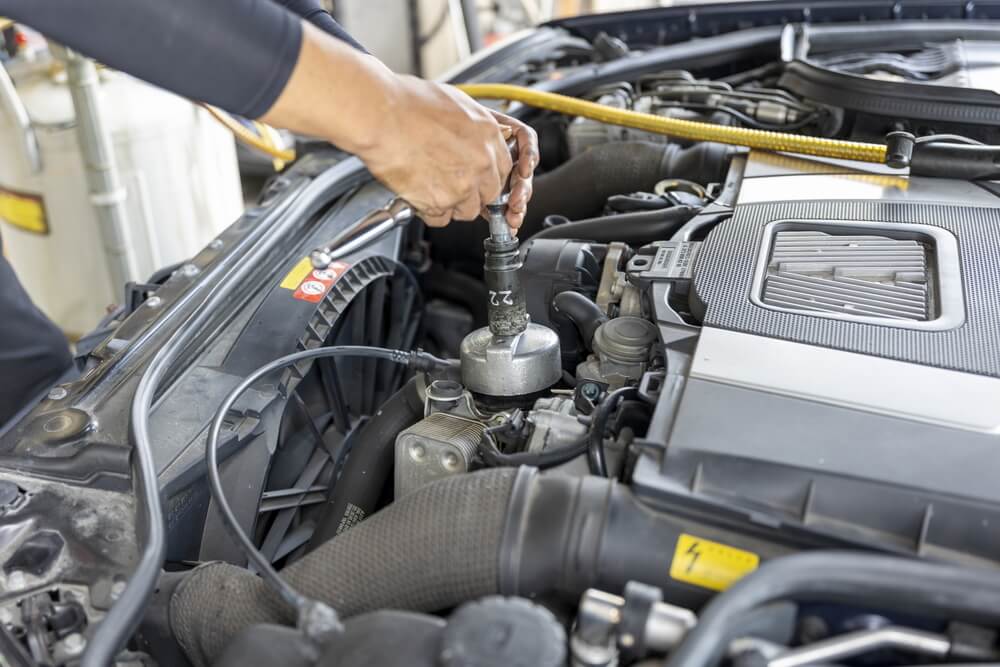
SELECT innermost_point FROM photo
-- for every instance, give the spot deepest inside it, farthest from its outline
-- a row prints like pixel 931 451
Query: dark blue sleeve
pixel 235 54
pixel 311 11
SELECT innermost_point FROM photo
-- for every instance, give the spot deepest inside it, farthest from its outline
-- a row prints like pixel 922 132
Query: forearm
pixel 334 92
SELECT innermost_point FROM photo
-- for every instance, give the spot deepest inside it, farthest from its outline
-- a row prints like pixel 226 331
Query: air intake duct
pixel 504 530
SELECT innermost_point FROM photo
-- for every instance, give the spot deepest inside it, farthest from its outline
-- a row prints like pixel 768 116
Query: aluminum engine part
pixel 621 351
pixel 511 365
pixel 584 133
pixel 437 446
pixel 615 291
pixel 555 424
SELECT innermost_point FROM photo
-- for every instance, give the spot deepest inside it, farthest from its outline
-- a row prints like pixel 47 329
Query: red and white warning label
pixel 312 284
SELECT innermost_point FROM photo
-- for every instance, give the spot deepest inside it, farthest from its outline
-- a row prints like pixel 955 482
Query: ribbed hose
pixel 580 187
pixel 356 493
pixel 682 129
pixel 434 549
pixel 510 531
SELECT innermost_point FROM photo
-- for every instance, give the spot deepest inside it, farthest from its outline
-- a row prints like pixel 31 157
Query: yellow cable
pixel 249 138
pixel 682 129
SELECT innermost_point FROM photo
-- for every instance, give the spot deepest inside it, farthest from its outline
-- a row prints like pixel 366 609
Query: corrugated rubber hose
pixel 681 129
pixel 435 548
pixel 511 531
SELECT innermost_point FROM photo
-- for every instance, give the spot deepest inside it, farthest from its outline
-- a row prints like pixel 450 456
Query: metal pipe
pixel 864 641
pixel 367 230
pixel 107 194
pixel 10 101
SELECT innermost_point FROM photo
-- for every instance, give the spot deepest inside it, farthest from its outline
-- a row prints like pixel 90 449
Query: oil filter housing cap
pixel 511 365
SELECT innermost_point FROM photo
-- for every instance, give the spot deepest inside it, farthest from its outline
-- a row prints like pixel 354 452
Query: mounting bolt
pixel 154 302
pixel 117 589
pixel 74 644
pixel 57 393
pixel 450 461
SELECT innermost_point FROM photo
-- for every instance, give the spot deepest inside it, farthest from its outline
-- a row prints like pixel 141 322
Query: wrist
pixel 335 93
pixel 367 101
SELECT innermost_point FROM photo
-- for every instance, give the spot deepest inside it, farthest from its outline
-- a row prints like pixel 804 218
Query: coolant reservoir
pixel 178 167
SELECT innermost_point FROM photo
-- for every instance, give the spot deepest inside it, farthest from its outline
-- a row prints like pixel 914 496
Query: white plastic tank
pixel 178 167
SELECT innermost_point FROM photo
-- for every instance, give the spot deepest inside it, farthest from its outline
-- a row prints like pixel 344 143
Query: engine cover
pixel 847 376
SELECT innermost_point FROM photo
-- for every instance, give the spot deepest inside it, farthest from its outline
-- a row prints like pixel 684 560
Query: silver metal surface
pixel 667 625
pixel 861 382
pixel 512 365
pixel 857 643
pixel 599 617
pixel 18 114
pixel 368 229
pixel 437 446
pixel 555 424
pixel 594 640
pixel 496 215
pixel 827 286
pixel 773 177
pixel 871 275
pixel 622 348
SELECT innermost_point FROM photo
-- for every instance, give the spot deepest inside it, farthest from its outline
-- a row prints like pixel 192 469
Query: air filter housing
pixel 863 272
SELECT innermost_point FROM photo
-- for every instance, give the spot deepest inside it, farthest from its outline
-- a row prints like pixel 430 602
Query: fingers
pixel 435 220
pixel 468 209
pixel 491 185
pixel 528 157
pixel 520 195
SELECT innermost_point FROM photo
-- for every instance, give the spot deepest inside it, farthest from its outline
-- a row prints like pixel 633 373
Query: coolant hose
pixel 580 187
pixel 510 531
pixel 682 129
pixel 582 312
pixel 637 228
pixel 356 493
pixel 944 591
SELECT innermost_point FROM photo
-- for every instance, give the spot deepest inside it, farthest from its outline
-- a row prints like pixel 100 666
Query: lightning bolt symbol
pixel 695 554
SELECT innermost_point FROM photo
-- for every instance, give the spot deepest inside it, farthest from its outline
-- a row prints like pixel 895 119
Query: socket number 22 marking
pixel 501 298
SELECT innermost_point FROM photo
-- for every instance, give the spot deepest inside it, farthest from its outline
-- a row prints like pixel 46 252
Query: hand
pixel 438 149
pixel 524 167
pixel 431 144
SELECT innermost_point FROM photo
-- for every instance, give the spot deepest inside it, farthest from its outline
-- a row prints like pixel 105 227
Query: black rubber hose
pixel 635 229
pixel 511 531
pixel 370 463
pixel 548 458
pixel 578 188
pixel 460 288
pixel 582 312
pixel 949 592
pixel 432 549
pixel 598 425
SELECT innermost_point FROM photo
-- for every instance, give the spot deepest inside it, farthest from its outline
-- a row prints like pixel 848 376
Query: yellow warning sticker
pixel 297 274
pixel 710 564
pixel 23 210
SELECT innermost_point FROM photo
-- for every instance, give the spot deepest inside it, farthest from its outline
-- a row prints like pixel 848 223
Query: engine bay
pixel 712 405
